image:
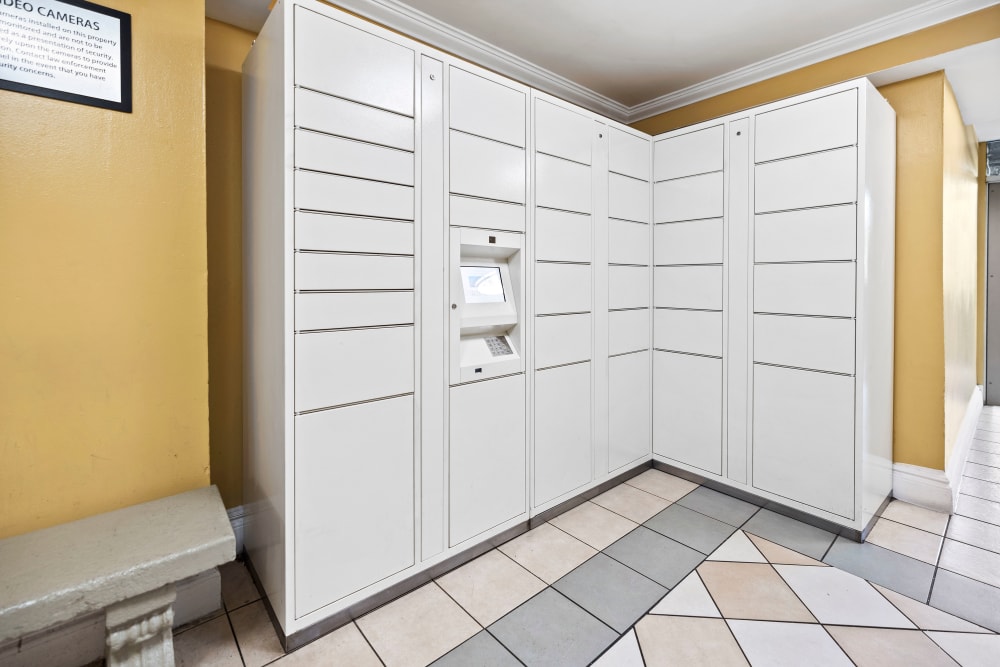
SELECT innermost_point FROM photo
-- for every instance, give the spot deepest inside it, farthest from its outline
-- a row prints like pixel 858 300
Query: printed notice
pixel 67 49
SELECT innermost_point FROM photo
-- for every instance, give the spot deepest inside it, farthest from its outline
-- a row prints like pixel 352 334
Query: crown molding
pixel 901 23
pixel 440 35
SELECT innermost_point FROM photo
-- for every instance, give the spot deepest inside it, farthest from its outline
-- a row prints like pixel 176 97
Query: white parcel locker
pixel 354 196
pixel 629 154
pixel 352 310
pixel 687 153
pixel 483 168
pixel 562 339
pixel 689 198
pixel 353 487
pixel 628 198
pixel 820 124
pixel 340 367
pixel 692 242
pixel 563 133
pixel 825 288
pixel 806 235
pixel 561 236
pixel 341 233
pixel 369 68
pixel 691 331
pixel 628 242
pixel 629 406
pixel 486 214
pixel 803 437
pixel 486 108
pixel 815 343
pixel 820 179
pixel 347 157
pixel 695 287
pixel 487 456
pixel 687 421
pixel 563 458
pixel 344 118
pixel 628 331
pixel 562 184
pixel 336 271
pixel 628 287
pixel 562 288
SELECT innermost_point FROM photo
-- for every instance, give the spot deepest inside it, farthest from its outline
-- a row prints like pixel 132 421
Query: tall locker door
pixel 629 257
pixel 487 458
pixel 563 460
pixel 689 290
pixel 353 499
pixel 564 295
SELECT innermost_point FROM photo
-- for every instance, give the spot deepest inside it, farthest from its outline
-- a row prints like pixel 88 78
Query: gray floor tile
pixel 719 506
pixel 610 591
pixel 980 489
pixel 790 533
pixel 967 598
pixel 661 559
pixel 984 458
pixel 977 508
pixel 887 568
pixel 548 629
pixel 691 528
pixel 482 650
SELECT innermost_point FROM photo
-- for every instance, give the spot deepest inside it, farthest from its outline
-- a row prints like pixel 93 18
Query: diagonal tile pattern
pixel 661 571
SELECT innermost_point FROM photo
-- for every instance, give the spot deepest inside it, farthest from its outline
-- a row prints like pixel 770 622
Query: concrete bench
pixel 124 562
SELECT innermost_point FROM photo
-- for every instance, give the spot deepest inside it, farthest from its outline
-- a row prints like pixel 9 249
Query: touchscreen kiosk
pixel 485 304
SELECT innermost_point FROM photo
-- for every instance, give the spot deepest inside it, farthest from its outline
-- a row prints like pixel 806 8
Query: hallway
pixel 661 571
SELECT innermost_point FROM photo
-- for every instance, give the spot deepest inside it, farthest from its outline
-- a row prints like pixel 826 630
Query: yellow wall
pixel 918 405
pixel 959 217
pixel 103 351
pixel 225 48
pixel 973 28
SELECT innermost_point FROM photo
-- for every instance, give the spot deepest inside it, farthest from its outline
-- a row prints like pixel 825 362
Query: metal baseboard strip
pixel 776 507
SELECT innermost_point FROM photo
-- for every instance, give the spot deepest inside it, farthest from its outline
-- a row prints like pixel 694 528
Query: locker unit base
pixel 300 638
pixel 743 493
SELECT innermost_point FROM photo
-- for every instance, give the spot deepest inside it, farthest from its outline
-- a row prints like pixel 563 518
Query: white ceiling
pixel 633 58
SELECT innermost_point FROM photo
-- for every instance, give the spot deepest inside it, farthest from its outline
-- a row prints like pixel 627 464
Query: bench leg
pixel 140 630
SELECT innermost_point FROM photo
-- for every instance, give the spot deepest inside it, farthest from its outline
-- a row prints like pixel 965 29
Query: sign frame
pixel 125 66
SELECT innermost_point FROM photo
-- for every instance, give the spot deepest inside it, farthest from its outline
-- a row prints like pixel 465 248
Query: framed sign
pixel 68 50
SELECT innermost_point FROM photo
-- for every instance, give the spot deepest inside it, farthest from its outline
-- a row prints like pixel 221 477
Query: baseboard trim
pixel 938 489
pixel 921 486
pixel 963 443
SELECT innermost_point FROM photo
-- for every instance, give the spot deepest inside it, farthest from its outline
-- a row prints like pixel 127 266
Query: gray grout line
pixel 236 641
pixel 368 641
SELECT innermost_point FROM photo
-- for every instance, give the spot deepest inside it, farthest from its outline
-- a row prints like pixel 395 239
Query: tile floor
pixel 660 571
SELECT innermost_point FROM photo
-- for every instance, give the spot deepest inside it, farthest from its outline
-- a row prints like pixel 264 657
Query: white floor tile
pixel 738 549
pixel 625 653
pixel 838 597
pixel 972 562
pixel 788 644
pixel 688 598
pixel 969 650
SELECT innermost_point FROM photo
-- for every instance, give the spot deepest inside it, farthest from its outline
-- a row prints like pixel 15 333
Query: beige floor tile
pixel 418 628
pixel 344 646
pixel 548 552
pixel 771 644
pixel 779 555
pixel 918 517
pixel 594 525
pixel 238 588
pixel 210 644
pixel 835 596
pixel 632 503
pixel 255 635
pixel 882 647
pixel 676 640
pixel 490 586
pixel 752 591
pixel 664 485
pixel 970 561
pixel 969 650
pixel 926 617
pixel 906 540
